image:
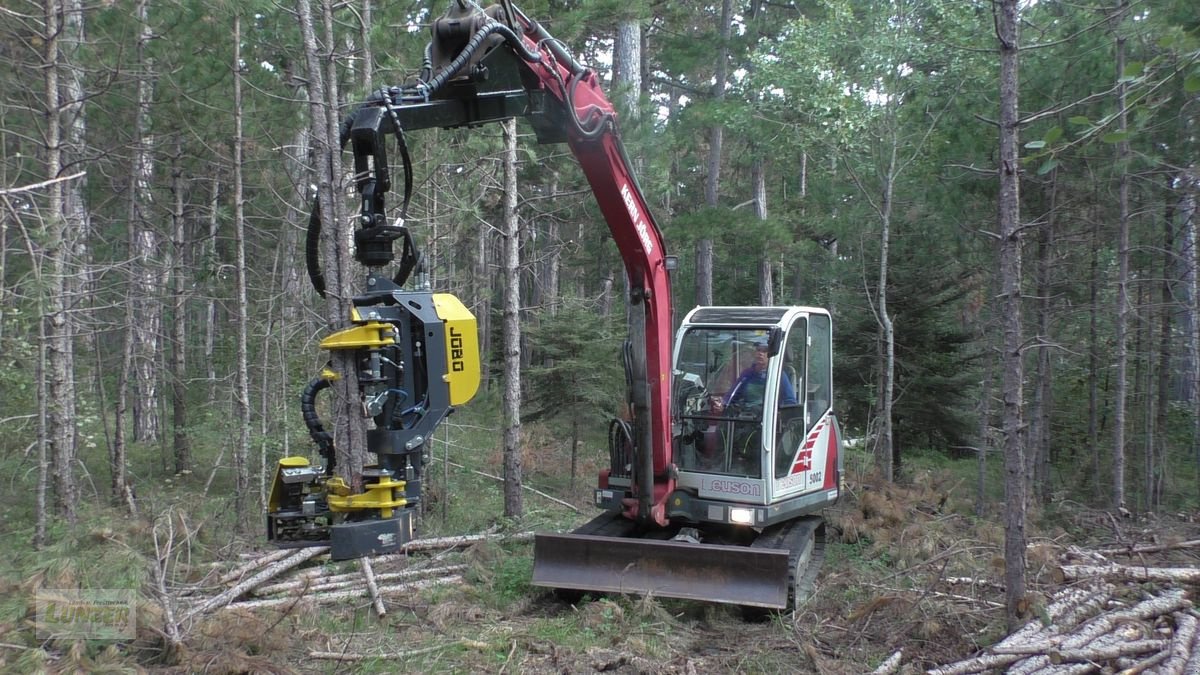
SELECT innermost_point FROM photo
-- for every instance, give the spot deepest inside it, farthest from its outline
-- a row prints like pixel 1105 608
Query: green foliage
pixel 579 374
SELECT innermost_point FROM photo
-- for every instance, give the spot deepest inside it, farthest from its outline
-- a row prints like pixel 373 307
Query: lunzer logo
pixel 94 614
pixel 457 357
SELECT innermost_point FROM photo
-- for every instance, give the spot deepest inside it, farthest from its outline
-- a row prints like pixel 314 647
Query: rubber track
pixel 788 537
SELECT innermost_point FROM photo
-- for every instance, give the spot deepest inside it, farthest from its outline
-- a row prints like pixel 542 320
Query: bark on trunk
pixel 716 135
pixel 349 430
pixel 241 392
pixel 627 65
pixel 1121 353
pixel 179 333
pixel 1163 398
pixel 210 310
pixel 144 246
pixel 885 449
pixel 766 282
pixel 512 329
pixel 1038 456
pixel 364 38
pixel 63 35
pixel 1007 33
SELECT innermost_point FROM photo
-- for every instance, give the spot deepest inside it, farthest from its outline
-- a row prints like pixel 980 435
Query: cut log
pixel 372 588
pixel 342 581
pixel 256 563
pixel 1145 664
pixel 1115 572
pixel 397 657
pixel 220 600
pixel 1182 644
pixel 1155 548
pixel 337 596
pixel 890 665
pixel 1036 647
pixel 448 543
pixel 1106 652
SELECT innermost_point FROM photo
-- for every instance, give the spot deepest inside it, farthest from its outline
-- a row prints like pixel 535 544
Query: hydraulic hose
pixel 316 430
pixel 487 30
pixel 312 248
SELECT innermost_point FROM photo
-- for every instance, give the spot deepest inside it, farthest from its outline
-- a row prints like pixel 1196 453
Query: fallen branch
pixel 341 581
pixel 395 656
pixel 972 581
pixel 448 543
pixel 273 570
pixel 1109 651
pixel 1130 550
pixel 335 596
pixel 372 588
pixel 1113 571
pixel 37 186
pixel 890 665
pixel 261 561
pixel 1145 664
pixel 938 594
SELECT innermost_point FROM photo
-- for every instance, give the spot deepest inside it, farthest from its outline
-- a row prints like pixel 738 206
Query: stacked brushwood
pixel 1088 629
pixel 296 577
pixel 1104 617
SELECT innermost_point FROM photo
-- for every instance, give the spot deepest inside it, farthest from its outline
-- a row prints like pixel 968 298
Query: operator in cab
pixel 750 389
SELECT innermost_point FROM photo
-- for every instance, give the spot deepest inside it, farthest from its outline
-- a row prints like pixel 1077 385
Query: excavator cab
pixel 755 440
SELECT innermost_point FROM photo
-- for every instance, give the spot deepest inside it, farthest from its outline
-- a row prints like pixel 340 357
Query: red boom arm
pixel 594 139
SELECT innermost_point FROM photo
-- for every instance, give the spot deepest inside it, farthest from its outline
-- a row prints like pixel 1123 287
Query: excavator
pixel 729 450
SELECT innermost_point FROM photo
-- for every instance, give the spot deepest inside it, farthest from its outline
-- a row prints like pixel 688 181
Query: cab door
pixel 804 425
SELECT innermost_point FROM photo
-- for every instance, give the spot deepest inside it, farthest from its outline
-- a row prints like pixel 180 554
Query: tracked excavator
pixel 730 449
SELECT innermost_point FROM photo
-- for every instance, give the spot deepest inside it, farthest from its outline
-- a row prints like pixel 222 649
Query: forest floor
pixel 908 567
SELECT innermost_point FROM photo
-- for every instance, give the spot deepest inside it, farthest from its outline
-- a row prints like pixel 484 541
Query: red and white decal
pixel 803 461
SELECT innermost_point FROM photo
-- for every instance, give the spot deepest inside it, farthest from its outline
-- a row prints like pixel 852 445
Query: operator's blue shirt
pixel 750 389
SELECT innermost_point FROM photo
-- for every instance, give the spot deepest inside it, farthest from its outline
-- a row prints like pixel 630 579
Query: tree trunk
pixel 512 329
pixel 144 246
pixel 606 295
pixel 627 65
pixel 885 449
pixel 984 441
pixel 349 429
pixel 210 309
pixel 364 38
pixel 241 392
pixel 179 333
pixel 1009 214
pixel 1121 353
pixel 766 282
pixel 712 182
pixel 63 37
pixel 550 280
pixel 482 291
pixel 1093 378
pixel 1191 225
pixel 1038 455
pixel 1163 398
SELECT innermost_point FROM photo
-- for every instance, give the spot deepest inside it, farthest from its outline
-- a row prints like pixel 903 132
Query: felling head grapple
pixel 416 356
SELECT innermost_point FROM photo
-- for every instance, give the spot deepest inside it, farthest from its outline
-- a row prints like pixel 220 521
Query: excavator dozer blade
pixel 675 569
